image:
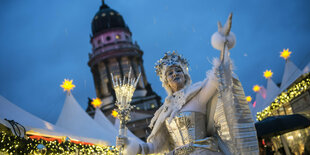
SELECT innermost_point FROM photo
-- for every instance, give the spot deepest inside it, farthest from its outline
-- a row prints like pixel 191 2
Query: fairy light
pixel 10 144
pixel 285 97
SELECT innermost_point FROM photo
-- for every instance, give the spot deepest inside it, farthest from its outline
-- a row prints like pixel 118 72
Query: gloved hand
pixel 121 141
pixel 130 146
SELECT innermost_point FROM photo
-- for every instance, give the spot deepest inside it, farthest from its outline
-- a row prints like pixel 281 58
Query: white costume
pixel 208 117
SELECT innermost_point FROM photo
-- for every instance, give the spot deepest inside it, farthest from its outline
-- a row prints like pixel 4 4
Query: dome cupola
pixel 107 18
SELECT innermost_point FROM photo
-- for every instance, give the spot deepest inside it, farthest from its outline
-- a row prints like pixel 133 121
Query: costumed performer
pixel 193 119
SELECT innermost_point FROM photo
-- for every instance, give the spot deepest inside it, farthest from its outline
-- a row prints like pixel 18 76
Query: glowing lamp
pixel 67 85
pixel 268 74
pixel 256 88
pixel 248 98
pixel 96 102
pixel 114 113
pixel 285 54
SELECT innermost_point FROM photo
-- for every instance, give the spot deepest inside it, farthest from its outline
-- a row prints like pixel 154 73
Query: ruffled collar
pixel 172 105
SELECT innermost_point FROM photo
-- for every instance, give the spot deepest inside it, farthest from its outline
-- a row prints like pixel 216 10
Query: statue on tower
pixel 208 117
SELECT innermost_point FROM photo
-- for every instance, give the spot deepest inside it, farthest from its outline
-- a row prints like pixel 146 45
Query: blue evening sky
pixel 44 41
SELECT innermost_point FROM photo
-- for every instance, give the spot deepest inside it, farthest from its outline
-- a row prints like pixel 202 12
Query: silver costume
pixel 208 117
pixel 187 130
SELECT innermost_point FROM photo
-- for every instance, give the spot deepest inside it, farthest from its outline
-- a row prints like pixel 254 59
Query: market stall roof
pixel 272 92
pixel 306 69
pixel 102 120
pixel 35 125
pixel 12 112
pixel 76 120
pixel 291 73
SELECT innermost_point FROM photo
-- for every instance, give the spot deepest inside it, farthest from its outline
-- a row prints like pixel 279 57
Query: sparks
pixel 285 54
pixel 114 113
pixel 268 74
pixel 67 85
pixel 248 98
pixel 256 88
pixel 96 102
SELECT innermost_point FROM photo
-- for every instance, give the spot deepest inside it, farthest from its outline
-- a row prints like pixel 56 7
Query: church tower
pixel 113 51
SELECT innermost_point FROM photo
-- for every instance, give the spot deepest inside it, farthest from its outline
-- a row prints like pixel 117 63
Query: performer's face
pixel 175 78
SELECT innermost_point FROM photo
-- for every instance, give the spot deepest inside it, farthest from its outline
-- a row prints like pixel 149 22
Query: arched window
pixel 104 79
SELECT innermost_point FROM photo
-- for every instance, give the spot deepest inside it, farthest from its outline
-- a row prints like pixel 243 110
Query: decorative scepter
pixel 124 91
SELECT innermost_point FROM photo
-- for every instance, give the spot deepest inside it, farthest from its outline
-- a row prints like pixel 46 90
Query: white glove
pixel 131 146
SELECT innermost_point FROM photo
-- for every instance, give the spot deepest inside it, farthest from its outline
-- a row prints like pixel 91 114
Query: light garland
pixel 15 145
pixel 285 97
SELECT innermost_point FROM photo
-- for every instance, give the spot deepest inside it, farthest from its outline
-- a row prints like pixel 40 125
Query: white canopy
pixel 35 125
pixel 101 119
pixel 272 92
pixel 76 120
pixel 306 69
pixel 291 73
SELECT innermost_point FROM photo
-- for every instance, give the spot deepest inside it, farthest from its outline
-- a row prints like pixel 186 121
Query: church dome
pixel 107 18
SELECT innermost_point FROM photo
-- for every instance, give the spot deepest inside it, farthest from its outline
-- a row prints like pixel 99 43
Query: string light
pixel 10 144
pixel 285 97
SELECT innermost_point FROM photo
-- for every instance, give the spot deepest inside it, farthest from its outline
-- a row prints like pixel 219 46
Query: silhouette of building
pixel 113 51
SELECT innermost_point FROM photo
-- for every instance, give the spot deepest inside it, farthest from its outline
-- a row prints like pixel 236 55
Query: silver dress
pixel 187 131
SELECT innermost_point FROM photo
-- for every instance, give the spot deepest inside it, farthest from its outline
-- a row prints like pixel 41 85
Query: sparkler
pixel 124 91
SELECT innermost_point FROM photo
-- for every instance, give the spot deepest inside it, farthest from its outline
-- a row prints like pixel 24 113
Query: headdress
pixel 171 59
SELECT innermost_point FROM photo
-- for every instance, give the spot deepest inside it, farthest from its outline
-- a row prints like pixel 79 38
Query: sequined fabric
pixel 186 127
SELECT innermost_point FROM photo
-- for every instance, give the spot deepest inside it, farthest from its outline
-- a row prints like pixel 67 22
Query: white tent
pixel 76 120
pixel 272 92
pixel 101 119
pixel 291 73
pixel 306 69
pixel 12 112
pixel 258 105
pixel 104 122
pixel 35 125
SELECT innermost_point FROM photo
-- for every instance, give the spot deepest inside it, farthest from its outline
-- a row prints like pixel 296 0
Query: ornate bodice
pixel 186 127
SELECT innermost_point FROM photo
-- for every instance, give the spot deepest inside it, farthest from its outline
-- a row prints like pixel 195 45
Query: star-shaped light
pixel 67 85
pixel 114 113
pixel 96 102
pixel 285 54
pixel 256 88
pixel 248 98
pixel 268 74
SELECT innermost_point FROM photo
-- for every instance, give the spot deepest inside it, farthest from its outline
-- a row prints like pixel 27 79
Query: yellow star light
pixel 67 85
pixel 285 54
pixel 114 113
pixel 96 102
pixel 248 98
pixel 268 74
pixel 256 88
